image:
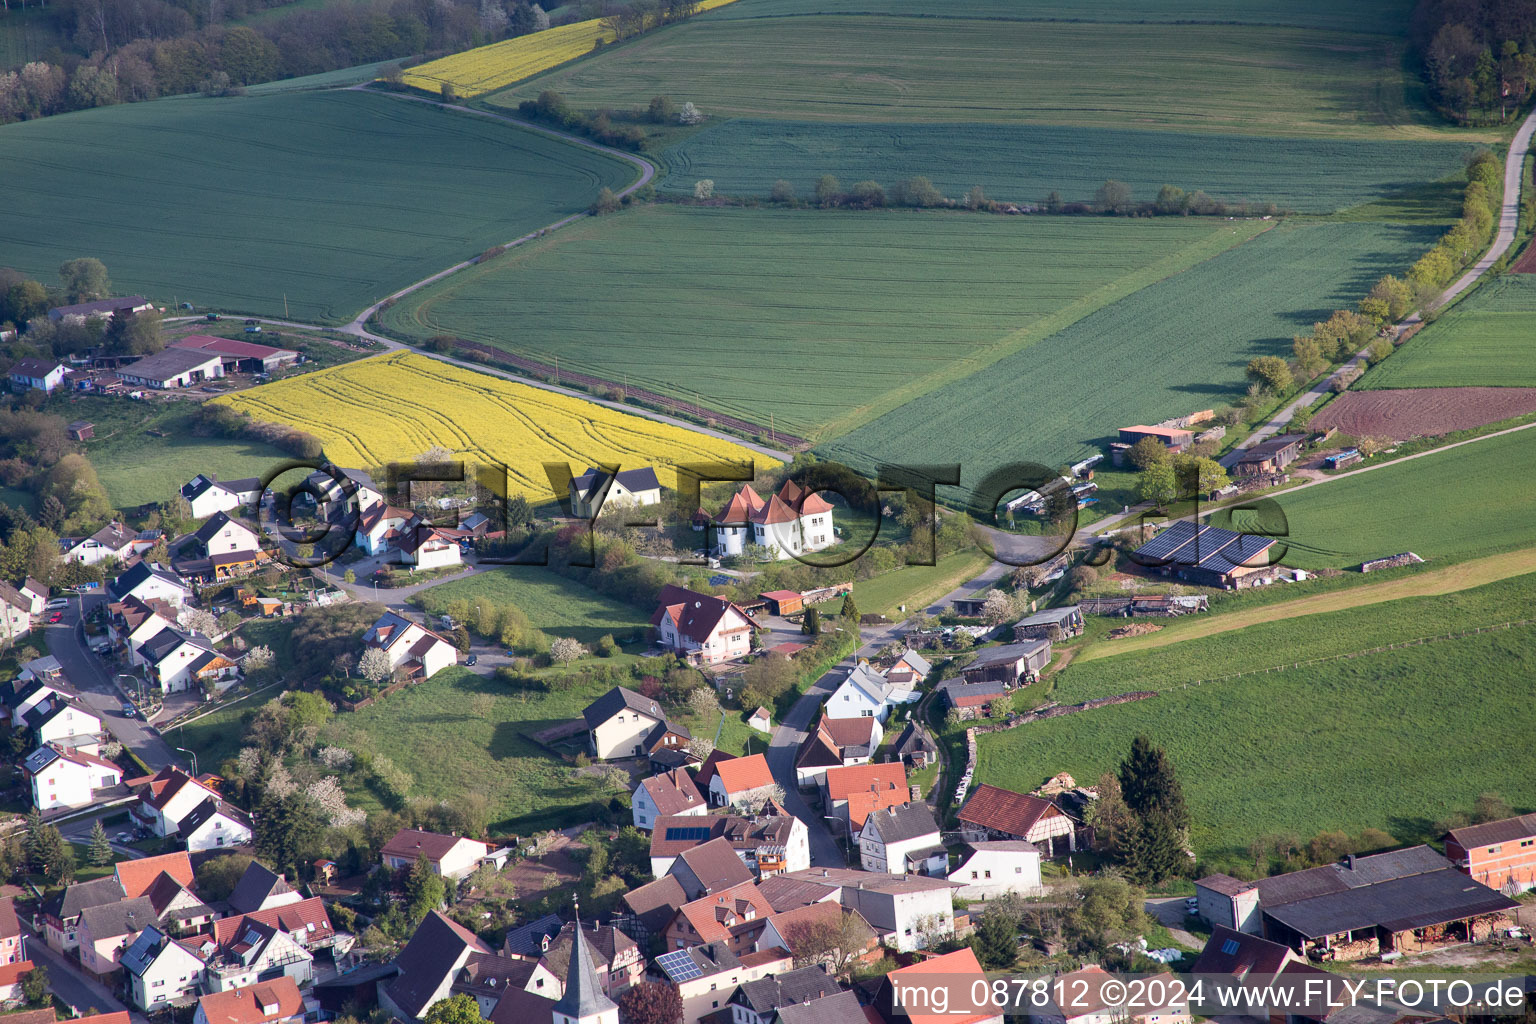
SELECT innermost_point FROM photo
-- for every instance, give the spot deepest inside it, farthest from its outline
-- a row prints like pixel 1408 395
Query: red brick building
pixel 1497 853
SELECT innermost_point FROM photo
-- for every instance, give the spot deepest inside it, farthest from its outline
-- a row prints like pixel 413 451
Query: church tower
pixel 584 1001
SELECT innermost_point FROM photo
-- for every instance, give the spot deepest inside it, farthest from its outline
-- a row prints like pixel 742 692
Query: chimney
pixel 1349 861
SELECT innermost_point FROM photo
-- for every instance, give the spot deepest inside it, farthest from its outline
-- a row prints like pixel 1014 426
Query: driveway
pixel 1170 913
pixel 66 642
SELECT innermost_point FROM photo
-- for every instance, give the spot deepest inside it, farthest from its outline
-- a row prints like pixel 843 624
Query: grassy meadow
pixel 330 199
pixel 557 605
pixel 745 156
pixel 1322 747
pixel 1252 80
pixel 917 585
pixel 1487 340
pixel 817 318
pixel 1169 349
pixel 1451 505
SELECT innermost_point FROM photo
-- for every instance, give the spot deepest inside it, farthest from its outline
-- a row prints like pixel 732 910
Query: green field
pixel 912 584
pixel 145 451
pixel 1367 16
pixel 1325 747
pixel 1472 500
pixel 1214 78
pixel 330 199
pixel 1489 340
pixel 1026 163
pixel 820 319
pixel 27 34
pixel 552 602
pixel 1168 350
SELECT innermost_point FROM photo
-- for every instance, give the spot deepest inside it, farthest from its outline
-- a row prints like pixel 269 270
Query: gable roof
pixel 835 1008
pixel 528 939
pixel 307 916
pixel 231 347
pixel 75 898
pixel 1505 830
pixel 920 665
pixel 620 699
pixel 136 876
pixel 10 927
pixel 785 893
pixel 125 917
pixel 163 644
pixel 951 969
pixel 604 944
pixel 409 843
pixel 167 783
pixel 1240 954
pixel 743 774
pixel 1397 904
pixel 35 368
pixel 1050 616
pixel 695 615
pixel 913 740
pixel 129 581
pixel 654 904
pixel 801 985
pixel 276 999
pixel 100 306
pixel 594 481
pixel 428 959
pixel 1006 653
pixel 215 523
pixel 718 916
pixel 673 792
pixel 903 822
pixel 168 363
pixel 257 884
pixel 846 780
pixel 1003 810
pixel 716 865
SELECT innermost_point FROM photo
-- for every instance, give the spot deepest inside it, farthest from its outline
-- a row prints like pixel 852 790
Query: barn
pixel 1207 555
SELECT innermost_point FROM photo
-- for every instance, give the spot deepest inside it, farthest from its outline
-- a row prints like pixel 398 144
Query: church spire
pixel 584 1000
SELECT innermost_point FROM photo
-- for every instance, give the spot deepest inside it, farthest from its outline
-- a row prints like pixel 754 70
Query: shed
pixel 82 430
pixel 1009 664
pixel 969 607
pixel 1050 624
pixel 784 602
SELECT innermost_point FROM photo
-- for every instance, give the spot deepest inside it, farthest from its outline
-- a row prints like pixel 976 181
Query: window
pixel 973 874
pixel 1229 947
pixel 1495 849
pixel 989 872
pixel 1018 869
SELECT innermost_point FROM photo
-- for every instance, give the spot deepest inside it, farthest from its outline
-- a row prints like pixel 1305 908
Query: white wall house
pixel 111 541
pixel 63 720
pixel 158 971
pixel 36 375
pixel 150 581
pixel 669 793
pixel 214 825
pixel 862 694
pixel 902 839
pixel 206 496
pixel 168 799
pixel 908 911
pixel 701 627
pixel 177 661
pixel 61 777
pixel 221 535
pixel 410 646
pixel 427 548
pixel 1003 866
pixel 792 522
pixel 595 491
pixel 449 856
pixel 619 723
pixel 381 526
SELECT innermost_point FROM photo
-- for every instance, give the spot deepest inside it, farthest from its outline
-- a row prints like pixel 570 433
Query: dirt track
pixel 1423 412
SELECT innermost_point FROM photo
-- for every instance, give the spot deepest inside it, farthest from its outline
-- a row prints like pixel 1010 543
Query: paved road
pixel 69 983
pixel 66 641
pixel 1504 237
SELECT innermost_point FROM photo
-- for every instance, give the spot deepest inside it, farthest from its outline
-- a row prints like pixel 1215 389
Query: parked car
pixel 58 603
pixel 472 659
pixel 213 318
pixel 122 837
pixel 102 647
pixel 1191 905
pixel 55 618
pixel 253 330
pixel 129 711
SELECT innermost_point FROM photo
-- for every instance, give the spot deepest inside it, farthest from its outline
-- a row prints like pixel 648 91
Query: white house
pixel 36 374
pixel 65 777
pixel 244 950
pixel 740 780
pixel 168 799
pixel 269 1002
pixel 449 856
pixel 835 743
pixel 793 522
pixel 595 490
pixel 111 541
pixel 341 488
pixel 863 693
pixel 221 535
pixel 15 613
pixel 157 970
pixel 173 368
pixel 150 581
pixel 1000 866
pixel 669 793
pixel 700 627
pixel 381 526
pixel 419 651
pixel 213 825
pixel 908 911
pixel 426 547
pixel 176 661
pixel 207 495
pixel 622 723
pixel 36 595
pixel 63 719
pixel 903 839
pixel 135 622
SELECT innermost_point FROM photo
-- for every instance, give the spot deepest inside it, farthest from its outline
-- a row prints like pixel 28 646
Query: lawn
pixel 917 586
pixel 145 451
pixel 552 602
pixel 325 200
pixel 816 319
pixel 394 407
pixel 1471 500
pixel 1324 747
pixel 1252 80
pixel 1168 350
pixel 1484 341
pixel 744 156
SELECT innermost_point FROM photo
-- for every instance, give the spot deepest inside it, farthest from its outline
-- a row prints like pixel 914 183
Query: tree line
pixel 125 51
pixel 1477 57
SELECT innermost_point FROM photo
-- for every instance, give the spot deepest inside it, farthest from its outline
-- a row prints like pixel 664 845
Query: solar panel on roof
pixel 688 832
pixel 1229 947
pixel 1169 541
pixel 679 965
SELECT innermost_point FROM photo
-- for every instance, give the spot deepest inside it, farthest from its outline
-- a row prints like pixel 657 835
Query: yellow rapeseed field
pixel 488 68
pixel 395 407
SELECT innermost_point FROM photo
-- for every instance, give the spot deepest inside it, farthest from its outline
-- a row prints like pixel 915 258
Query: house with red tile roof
pixel 268 1002
pixel 449 856
pixel 666 794
pixel 957 973
pixel 994 813
pixel 137 876
pixel 10 979
pixel 836 742
pixel 700 627
pixel 732 917
pixel 792 522
pixel 769 843
pixel 1500 854
pixel 420 652
pixel 168 797
pixel 789 929
pixel 741 781
pixel 851 792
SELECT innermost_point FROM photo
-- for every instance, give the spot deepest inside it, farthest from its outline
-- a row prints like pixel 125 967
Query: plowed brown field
pixel 1423 412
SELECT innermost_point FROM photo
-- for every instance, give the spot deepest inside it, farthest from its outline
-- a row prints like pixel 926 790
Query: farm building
pixel 1010 664
pixel 1500 854
pixel 1176 439
pixel 627 488
pixel 969 607
pixel 36 374
pixel 784 602
pixel 1207 555
pixel 81 430
pixel 1050 624
pixel 993 813
pixel 1404 901
pixel 908 670
pixel 173 368
pixel 101 309
pixel 970 700
pixel 1269 457
pixel 239 356
pixel 914 747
